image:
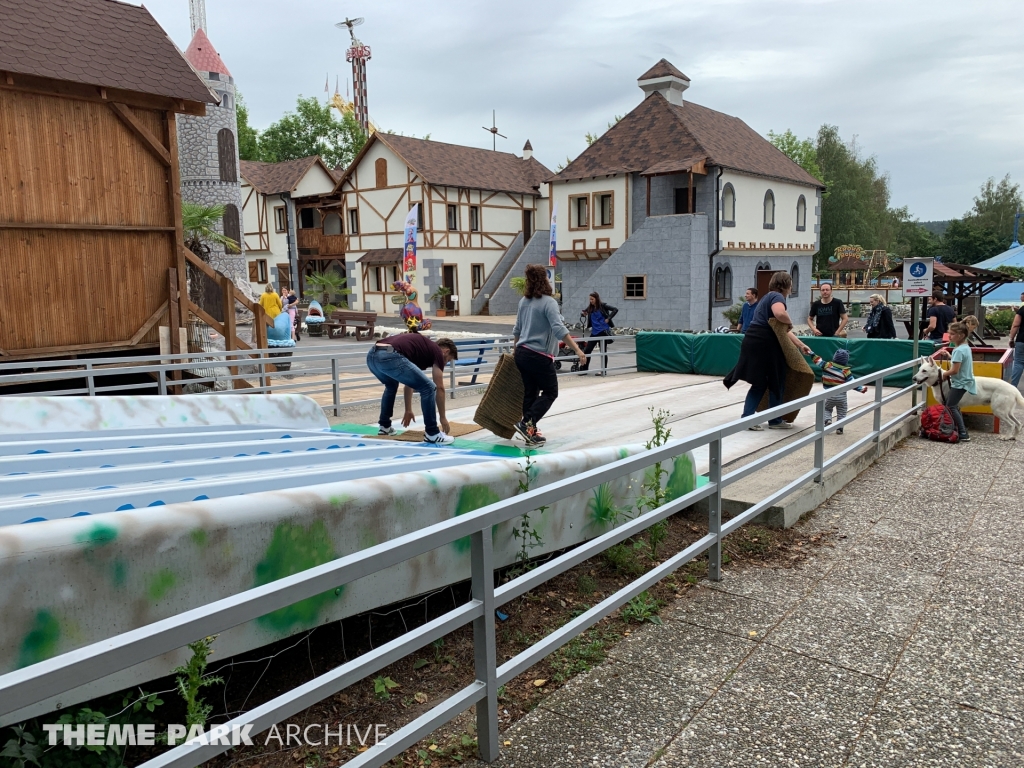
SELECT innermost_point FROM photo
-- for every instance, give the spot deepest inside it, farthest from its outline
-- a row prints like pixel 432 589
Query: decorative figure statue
pixel 411 312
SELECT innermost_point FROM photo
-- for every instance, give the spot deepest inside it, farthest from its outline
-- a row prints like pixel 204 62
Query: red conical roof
pixel 203 56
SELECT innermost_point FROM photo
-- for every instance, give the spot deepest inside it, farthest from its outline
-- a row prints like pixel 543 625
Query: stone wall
pixel 504 300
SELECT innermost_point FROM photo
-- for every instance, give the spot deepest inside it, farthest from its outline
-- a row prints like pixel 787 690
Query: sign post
pixel 918 275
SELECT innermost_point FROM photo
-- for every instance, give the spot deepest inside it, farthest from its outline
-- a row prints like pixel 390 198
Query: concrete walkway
pixel 899 646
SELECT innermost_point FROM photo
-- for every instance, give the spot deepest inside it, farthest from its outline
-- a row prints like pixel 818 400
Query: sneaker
pixel 827 422
pixel 965 439
pixel 386 432
pixel 439 439
pixel 781 425
pixel 839 431
pixel 756 428
pixel 530 434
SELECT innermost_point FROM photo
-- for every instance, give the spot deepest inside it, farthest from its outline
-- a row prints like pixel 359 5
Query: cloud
pixel 932 89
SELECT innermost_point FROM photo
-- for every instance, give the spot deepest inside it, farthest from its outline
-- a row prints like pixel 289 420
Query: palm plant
pixel 198 222
pixel 329 284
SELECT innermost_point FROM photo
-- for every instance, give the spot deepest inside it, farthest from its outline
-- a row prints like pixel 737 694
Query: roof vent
pixel 665 79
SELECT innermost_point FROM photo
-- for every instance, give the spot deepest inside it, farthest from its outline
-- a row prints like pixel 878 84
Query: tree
pixel 967 243
pixel 248 137
pixel 198 223
pixel 800 151
pixel 313 129
pixel 329 283
pixel 995 206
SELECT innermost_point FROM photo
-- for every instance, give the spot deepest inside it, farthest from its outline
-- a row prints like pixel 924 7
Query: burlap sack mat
pixel 502 404
pixel 799 376
pixel 418 435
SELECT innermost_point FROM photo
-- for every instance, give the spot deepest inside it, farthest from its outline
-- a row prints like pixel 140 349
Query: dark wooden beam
pixel 152 143
pixel 47 86
pixel 85 227
pixel 148 325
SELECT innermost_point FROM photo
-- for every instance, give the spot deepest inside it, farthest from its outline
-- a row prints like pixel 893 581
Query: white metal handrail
pixel 38 682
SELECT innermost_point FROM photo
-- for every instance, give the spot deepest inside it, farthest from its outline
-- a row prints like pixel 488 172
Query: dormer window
pixel 579 212
pixel 769 210
pixel 728 206
pixel 801 214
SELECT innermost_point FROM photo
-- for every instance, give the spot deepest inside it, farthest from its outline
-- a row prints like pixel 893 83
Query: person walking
pixel 749 305
pixel 879 324
pixel 960 376
pixel 292 308
pixel 762 362
pixel 828 315
pixel 833 373
pixel 538 328
pixel 597 316
pixel 270 302
pixel 939 316
pixel 1016 343
pixel 402 359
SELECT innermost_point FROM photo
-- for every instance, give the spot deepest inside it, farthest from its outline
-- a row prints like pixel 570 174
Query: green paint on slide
pixel 160 583
pixel 99 535
pixel 601 506
pixel 472 497
pixel 683 477
pixel 119 572
pixel 293 549
pixel 508 451
pixel 41 641
pixel 198 537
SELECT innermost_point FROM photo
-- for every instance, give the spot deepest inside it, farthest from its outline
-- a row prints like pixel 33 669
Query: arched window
pixel 794 272
pixel 332 224
pixel 232 228
pixel 728 206
pixel 380 167
pixel 769 210
pixel 226 155
pixel 763 266
pixel 723 285
pixel 801 214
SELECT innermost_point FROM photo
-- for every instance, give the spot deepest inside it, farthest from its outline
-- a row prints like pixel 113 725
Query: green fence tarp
pixel 715 354
pixel 659 352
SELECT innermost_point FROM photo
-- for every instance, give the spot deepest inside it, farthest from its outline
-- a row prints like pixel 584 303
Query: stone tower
pixel 208 158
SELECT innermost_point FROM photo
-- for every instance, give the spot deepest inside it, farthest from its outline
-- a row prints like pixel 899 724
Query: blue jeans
pixel 754 399
pixel 393 369
pixel 1018 363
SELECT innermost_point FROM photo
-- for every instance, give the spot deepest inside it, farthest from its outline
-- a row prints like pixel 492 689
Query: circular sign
pixel 918 269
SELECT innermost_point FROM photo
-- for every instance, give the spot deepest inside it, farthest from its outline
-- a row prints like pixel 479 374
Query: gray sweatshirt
pixel 539 326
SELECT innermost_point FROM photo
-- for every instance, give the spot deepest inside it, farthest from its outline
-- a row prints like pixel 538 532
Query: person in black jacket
pixel 598 318
pixel 879 324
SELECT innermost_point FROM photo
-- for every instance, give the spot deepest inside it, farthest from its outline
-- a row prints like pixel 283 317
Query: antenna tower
pixel 358 54
pixel 493 130
pixel 197 15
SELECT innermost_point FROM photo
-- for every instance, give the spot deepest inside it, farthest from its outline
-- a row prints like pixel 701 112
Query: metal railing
pixel 40 681
pixel 334 369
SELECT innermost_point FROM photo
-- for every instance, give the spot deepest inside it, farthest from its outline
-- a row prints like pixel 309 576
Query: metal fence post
pixel 484 645
pixel 161 377
pixel 819 443
pixel 90 381
pixel 604 357
pixel 336 386
pixel 715 509
pixel 878 410
pixel 451 380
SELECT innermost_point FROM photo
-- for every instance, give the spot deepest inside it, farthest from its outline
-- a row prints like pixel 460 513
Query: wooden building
pixel 91 242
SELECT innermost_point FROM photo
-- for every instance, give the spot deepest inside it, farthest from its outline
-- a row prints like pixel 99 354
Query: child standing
pixel 833 373
pixel 960 376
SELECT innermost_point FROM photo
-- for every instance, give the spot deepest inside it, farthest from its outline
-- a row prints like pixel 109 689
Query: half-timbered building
pixel 478 208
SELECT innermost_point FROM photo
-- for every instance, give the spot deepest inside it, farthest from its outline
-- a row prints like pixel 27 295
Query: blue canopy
pixel 1009 293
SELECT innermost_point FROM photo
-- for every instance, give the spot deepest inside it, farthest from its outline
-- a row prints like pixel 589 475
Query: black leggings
pixel 540 383
pixel 589 347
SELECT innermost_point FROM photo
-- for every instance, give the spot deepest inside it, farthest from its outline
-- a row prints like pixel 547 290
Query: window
pixel 227 101
pixel 381 279
pixel 232 228
pixel 635 286
pixel 603 209
pixel 769 210
pixel 353 221
pixel 801 215
pixel 280 219
pixel 474 218
pixel 579 212
pixel 380 169
pixel 226 155
pixel 332 224
pixel 258 271
pixel 728 206
pixel 477 271
pixel 682 204
pixel 419 216
pixel 794 272
pixel 723 285
pixel 453 217
pixel 309 218
pixel 527 225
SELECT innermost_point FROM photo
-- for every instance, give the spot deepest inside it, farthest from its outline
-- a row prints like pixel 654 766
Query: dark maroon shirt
pixel 417 349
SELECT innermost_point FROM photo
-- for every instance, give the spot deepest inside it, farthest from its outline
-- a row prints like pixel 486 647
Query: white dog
pixel 1001 396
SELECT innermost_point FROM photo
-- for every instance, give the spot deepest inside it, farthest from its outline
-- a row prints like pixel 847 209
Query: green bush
pixel 1001 319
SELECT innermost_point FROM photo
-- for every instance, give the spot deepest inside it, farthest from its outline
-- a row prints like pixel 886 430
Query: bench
pixel 363 322
pixel 480 346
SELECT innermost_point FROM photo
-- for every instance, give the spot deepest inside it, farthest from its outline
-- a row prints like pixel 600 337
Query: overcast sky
pixel 934 89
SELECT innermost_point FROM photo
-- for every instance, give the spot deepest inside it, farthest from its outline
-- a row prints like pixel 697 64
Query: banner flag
pixel 409 259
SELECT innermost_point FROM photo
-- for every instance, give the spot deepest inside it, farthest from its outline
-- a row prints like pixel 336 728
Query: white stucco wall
pixel 562 191
pixel 749 222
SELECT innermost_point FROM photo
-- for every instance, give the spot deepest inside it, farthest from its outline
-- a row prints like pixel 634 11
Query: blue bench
pixel 468 348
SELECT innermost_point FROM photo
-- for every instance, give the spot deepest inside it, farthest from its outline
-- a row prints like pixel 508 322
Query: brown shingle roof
pixel 657 133
pixel 97 42
pixel 274 178
pixel 453 165
pixel 381 256
pixel 663 68
pixel 848 264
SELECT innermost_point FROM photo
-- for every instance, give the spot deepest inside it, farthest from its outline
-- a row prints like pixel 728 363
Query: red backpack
pixel 937 424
